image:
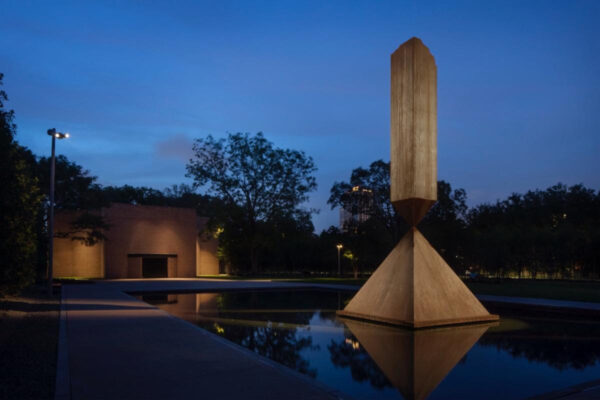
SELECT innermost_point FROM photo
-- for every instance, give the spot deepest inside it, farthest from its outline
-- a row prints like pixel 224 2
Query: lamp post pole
pixel 339 247
pixel 55 135
pixel 51 217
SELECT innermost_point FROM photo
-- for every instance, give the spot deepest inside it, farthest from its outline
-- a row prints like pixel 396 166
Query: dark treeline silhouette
pixel 253 192
pixel 552 233
pixel 19 207
pixel 572 345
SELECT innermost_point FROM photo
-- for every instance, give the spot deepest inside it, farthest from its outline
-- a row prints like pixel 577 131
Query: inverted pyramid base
pixel 415 288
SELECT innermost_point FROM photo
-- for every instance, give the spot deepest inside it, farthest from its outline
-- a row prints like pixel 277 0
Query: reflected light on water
pixel 519 357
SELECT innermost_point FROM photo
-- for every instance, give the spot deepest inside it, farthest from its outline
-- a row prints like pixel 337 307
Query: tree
pixel 368 190
pixel 326 250
pixel 257 184
pixel 370 241
pixel 444 225
pixel 134 195
pixel 377 180
pixel 75 190
pixel 74 187
pixel 553 232
pixel 19 202
pixel 182 195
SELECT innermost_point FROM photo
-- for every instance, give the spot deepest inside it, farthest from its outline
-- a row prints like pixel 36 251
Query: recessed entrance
pixel 150 265
pixel 155 267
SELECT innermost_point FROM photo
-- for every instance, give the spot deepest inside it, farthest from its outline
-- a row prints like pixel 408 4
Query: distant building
pixel 142 242
pixel 356 208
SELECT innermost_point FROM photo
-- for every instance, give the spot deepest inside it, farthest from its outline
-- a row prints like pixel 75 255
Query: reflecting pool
pixel 518 357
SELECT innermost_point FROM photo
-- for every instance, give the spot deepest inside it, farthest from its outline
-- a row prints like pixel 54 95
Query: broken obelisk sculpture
pixel 414 286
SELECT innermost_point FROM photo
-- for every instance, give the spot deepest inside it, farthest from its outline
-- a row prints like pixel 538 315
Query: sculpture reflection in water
pixel 300 329
pixel 415 362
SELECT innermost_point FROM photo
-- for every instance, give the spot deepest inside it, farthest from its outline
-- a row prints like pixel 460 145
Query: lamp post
pixel 339 247
pixel 55 135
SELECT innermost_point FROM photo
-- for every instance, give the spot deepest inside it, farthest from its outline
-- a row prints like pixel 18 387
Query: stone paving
pixel 547 303
pixel 584 391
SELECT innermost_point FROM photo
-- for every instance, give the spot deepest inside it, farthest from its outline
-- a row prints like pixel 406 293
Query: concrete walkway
pixel 584 391
pixel 547 303
pixel 113 346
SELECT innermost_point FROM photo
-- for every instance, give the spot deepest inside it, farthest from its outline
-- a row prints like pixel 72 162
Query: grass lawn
pixel 547 289
pixel 28 344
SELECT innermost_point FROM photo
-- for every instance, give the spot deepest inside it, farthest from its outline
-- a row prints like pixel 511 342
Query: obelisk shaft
pixel 413 130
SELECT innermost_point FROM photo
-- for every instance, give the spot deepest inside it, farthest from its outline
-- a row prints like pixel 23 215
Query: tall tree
pixel 182 195
pixel 369 241
pixel 75 190
pixel 257 183
pixel 377 201
pixel 445 227
pixel 19 205
pixel 552 232
pixel 134 195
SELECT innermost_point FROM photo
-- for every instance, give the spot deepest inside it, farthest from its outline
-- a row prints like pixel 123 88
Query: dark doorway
pixel 159 298
pixel 154 267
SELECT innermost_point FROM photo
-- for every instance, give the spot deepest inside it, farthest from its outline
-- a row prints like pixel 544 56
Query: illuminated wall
pixel 150 230
pixel 72 258
pixel 137 232
pixel 206 251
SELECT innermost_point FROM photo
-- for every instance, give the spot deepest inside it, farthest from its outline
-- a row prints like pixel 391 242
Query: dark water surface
pixel 516 358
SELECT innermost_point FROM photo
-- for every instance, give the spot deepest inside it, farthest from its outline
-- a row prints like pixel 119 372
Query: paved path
pixel 584 391
pixel 114 346
pixel 547 303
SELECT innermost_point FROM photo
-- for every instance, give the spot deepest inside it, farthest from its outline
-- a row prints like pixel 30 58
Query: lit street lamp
pixel 339 247
pixel 55 135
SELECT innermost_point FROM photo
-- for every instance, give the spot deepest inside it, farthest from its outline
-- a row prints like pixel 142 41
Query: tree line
pixel 551 233
pixel 254 193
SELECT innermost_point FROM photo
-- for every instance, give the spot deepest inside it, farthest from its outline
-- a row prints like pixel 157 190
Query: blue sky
pixel 134 82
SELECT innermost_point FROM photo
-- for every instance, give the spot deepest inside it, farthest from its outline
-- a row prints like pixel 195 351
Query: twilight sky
pixel 135 81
